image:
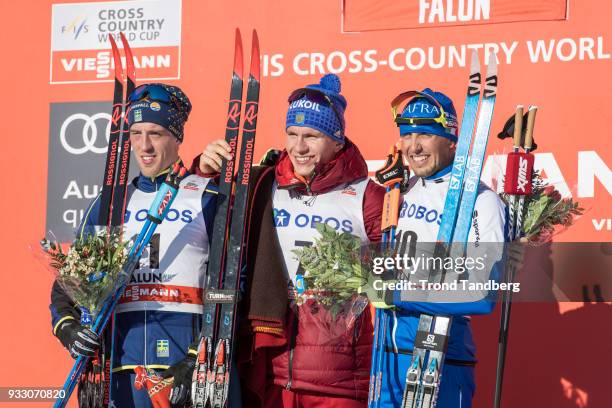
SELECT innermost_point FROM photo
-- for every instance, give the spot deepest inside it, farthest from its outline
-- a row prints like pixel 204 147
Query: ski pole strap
pixel 394 171
pixel 451 361
pixel 519 170
pixel 393 175
pixel 168 189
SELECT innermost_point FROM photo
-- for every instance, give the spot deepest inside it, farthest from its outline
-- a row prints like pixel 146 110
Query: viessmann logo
pixel 80 50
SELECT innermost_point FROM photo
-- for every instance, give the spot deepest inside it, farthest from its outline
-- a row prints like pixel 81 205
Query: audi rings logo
pixel 89 133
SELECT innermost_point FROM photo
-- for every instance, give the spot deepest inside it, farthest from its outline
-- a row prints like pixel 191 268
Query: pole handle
pixel 531 115
pixel 518 126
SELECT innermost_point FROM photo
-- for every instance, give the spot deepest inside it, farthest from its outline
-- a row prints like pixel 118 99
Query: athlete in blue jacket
pixel 159 315
pixel 429 149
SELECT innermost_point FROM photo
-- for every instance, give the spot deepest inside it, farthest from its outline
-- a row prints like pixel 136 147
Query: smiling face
pixel 427 154
pixel 308 147
pixel 154 146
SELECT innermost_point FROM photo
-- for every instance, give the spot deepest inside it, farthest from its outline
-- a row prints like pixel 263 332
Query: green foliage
pixel 333 266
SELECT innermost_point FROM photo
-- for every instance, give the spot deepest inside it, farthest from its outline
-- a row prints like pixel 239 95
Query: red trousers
pixel 279 397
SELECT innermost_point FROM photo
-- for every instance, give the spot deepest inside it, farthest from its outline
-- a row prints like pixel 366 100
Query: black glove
pixel 79 340
pixel 183 376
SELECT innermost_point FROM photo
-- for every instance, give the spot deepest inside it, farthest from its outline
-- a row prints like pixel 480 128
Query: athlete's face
pixel 307 147
pixel 154 146
pixel 427 154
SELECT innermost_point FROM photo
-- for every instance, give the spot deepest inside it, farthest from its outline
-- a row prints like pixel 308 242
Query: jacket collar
pixel 152 184
pixel 440 174
pixel 348 166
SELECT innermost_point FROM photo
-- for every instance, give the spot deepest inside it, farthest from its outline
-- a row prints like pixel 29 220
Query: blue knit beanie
pixel 170 110
pixel 424 108
pixel 305 112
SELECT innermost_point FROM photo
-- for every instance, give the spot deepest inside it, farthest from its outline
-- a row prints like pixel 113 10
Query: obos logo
pixel 172 215
pixel 283 218
pixel 419 212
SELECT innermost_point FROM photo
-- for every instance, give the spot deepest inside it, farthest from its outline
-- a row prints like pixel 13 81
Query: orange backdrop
pixel 563 66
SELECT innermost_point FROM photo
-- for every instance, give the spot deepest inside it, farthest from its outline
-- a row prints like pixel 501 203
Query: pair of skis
pixel 430 344
pixel 113 196
pixel 517 185
pixel 212 372
pixel 114 183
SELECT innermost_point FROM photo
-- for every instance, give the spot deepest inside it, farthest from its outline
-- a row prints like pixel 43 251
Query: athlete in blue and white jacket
pixel 429 149
pixel 159 315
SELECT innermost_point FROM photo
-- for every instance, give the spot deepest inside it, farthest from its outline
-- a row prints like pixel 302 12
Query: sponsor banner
pixel 162 293
pixel 80 50
pixel 366 15
pixel 78 140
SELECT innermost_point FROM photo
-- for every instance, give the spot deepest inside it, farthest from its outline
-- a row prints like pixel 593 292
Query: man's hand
pixel 516 254
pixel 210 161
pixel 182 373
pixel 79 340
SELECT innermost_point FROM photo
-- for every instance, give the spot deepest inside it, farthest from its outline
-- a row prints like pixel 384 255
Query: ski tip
pixel 521 107
pixel 112 41
pixel 255 56
pixel 492 64
pixel 129 59
pixel 116 58
pixel 474 62
pixel 532 107
pixel 238 59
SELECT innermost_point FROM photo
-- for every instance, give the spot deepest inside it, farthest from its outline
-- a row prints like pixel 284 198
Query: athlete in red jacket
pixel 291 356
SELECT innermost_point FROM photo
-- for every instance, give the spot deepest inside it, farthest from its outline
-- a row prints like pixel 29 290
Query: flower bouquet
pixel 547 213
pixel 88 269
pixel 333 274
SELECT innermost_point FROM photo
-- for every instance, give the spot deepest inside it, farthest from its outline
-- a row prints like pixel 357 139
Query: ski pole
pixel 392 175
pixel 519 170
pixel 518 129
